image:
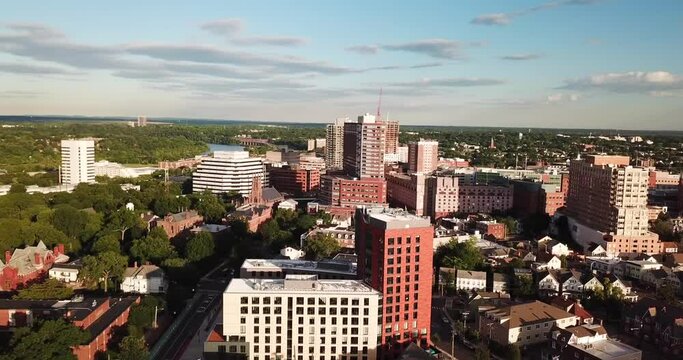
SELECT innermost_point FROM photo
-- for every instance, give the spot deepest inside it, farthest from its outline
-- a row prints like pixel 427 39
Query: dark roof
pixel 414 352
pixel 271 194
pixel 115 310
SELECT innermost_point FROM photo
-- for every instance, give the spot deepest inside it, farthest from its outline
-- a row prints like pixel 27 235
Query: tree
pixel 524 288
pixel 50 339
pixel 50 289
pixel 133 348
pixel 17 189
pixel 321 246
pixel 103 267
pixel 514 353
pixel 459 255
pixel 200 246
pixel 563 261
pixel 154 247
pixel 108 242
pixel 121 220
pixel 482 353
pixel 666 293
pixel 142 315
pixel 210 207
pixel 69 220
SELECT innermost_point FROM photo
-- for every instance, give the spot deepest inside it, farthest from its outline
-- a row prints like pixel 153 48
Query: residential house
pixel 587 342
pixel 634 268
pixel 674 261
pixel 144 279
pixel 524 324
pixel 552 246
pixel 548 284
pixel 67 272
pixel 657 322
pixel 655 278
pixel 570 283
pixel 596 250
pixel 28 264
pixel 546 261
pixel 591 283
pixel 500 283
pixel 289 204
pixel 573 307
pixel 470 280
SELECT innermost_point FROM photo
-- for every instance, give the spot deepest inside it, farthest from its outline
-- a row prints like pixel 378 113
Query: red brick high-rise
pixel 423 156
pixel 395 257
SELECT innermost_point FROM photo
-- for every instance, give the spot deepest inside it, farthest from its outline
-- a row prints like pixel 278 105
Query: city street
pixel 201 309
pixel 441 332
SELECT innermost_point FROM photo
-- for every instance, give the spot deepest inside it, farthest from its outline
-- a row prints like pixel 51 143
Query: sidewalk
pixel 195 349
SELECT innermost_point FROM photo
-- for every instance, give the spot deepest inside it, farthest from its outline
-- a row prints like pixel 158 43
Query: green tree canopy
pixel 459 255
pixel 107 242
pixel 122 220
pixel 321 246
pixel 102 267
pixel 154 247
pixel 50 289
pixel 50 339
pixel 200 246
pixel 132 348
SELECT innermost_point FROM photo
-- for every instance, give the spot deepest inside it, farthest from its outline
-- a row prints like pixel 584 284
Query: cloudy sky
pixel 554 63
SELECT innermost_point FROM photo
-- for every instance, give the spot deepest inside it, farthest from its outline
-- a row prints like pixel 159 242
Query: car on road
pixel 201 309
pixel 468 344
pixel 445 320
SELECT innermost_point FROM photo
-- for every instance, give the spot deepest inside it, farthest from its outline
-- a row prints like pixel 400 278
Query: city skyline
pixel 601 63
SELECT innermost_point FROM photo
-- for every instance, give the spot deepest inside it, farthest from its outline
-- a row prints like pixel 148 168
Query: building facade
pixel 294 180
pixel 78 161
pixel 334 144
pixel 364 147
pixel 407 191
pixel 391 146
pixel 228 171
pixel 395 257
pixel 348 192
pixel 300 317
pixel 423 156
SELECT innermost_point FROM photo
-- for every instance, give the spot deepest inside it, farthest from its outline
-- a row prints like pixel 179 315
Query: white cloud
pixel 492 19
pixel 501 19
pixel 520 57
pixel 629 82
pixel 437 48
pixel 562 98
pixel 232 29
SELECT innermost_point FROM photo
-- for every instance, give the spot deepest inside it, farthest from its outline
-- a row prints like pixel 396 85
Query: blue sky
pixel 556 63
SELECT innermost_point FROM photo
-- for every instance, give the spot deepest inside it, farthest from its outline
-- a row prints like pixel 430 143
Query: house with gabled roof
pixel 570 283
pixel 27 264
pixel 548 284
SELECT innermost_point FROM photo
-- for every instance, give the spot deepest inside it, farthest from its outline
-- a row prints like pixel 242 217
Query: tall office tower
pixel 395 257
pixel 299 317
pixel 608 195
pixel 229 171
pixel 78 161
pixel 423 156
pixel 391 146
pixel 142 120
pixel 334 144
pixel 364 146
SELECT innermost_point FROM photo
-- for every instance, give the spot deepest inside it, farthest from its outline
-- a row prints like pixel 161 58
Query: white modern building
pixel 67 273
pixel 145 279
pixel 229 171
pixel 334 144
pixel 78 161
pixel 301 317
pixel 112 170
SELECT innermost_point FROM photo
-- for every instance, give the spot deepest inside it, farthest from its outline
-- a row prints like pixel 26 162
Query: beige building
pixel 334 144
pixel 300 317
pixel 524 324
pixel 364 147
pixel 391 146
pixel 423 156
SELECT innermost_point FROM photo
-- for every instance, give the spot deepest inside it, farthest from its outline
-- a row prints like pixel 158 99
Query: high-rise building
pixel 228 171
pixel 294 180
pixel 341 191
pixel 391 146
pixel 334 144
pixel 395 257
pixel 299 317
pixel 78 161
pixel 142 120
pixel 609 196
pixel 423 156
pixel 364 147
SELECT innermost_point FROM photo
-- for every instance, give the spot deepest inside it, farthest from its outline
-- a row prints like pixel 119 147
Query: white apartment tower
pixel 228 171
pixel 364 147
pixel 334 144
pixel 301 317
pixel 78 161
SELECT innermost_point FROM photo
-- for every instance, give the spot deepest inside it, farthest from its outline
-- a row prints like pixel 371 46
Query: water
pixel 223 147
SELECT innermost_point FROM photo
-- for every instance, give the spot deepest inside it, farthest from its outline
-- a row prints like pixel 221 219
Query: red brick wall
pixel 99 343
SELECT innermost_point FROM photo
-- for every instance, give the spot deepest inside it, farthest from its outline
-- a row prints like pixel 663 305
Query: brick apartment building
pixel 99 316
pixel 395 257
pixel 492 229
pixel 295 180
pixel 339 191
pixel 30 263
pixel 175 224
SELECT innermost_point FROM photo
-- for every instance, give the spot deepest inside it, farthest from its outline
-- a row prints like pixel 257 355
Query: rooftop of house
pixel 24 259
pixel 270 194
pixel 528 314
pixel 182 216
pixel 473 275
pixel 145 271
pixel 78 308
pixel 299 283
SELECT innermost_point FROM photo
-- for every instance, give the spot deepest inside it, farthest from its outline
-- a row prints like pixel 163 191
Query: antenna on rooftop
pixel 379 104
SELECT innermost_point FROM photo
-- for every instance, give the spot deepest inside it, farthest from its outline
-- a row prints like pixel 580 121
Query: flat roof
pixel 392 218
pixel 607 349
pixel 331 266
pixel 278 285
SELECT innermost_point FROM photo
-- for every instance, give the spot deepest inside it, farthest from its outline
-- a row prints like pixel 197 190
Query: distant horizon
pixel 213 121
pixel 610 64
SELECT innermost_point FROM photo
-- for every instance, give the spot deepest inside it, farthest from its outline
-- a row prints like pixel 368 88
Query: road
pixel 441 332
pixel 204 303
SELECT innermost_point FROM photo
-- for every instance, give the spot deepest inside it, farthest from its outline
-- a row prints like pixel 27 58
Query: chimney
pixel 8 256
pixel 36 257
pixel 135 264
